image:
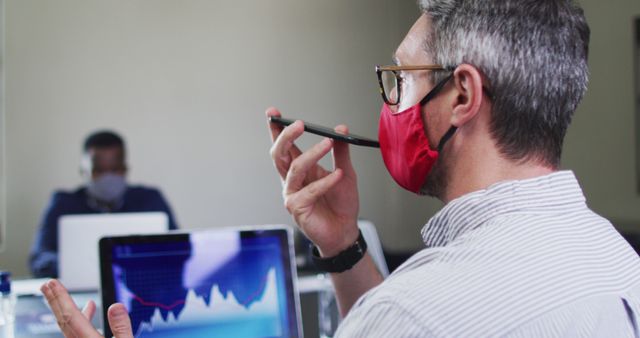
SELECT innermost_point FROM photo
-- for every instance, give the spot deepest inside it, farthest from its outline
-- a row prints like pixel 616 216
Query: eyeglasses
pixel 391 82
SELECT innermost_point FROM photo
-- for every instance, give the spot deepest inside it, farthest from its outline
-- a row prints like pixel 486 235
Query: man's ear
pixel 85 166
pixel 468 84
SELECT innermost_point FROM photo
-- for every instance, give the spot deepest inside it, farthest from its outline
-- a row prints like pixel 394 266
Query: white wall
pixel 2 133
pixel 187 83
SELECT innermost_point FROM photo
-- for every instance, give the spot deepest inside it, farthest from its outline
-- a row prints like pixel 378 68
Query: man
pixel 475 114
pixel 104 169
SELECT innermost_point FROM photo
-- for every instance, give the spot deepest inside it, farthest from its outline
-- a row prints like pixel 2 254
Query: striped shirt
pixel 522 258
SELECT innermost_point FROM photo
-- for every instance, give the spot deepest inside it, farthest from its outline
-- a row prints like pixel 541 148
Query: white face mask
pixel 108 188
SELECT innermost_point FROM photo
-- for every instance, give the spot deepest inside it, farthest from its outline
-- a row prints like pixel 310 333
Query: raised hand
pixel 77 324
pixel 323 203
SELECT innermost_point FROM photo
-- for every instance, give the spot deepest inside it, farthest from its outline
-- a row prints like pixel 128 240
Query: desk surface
pixel 35 320
pixel 306 284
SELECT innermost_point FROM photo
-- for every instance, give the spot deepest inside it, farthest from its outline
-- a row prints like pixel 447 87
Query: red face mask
pixel 404 144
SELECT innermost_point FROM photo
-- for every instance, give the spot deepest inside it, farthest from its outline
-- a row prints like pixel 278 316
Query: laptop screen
pixel 220 283
pixel 78 237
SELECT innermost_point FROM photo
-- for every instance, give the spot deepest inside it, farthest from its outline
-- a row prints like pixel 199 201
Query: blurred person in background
pixel 106 190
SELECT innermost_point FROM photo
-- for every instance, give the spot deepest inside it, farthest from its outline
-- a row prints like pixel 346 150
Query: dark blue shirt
pixel 44 253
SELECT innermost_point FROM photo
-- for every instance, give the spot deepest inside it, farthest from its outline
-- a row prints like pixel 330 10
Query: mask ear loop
pixel 428 98
pixel 446 137
pixel 435 91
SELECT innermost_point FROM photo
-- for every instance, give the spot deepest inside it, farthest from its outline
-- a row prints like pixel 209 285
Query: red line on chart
pixel 246 302
pixel 257 293
pixel 160 305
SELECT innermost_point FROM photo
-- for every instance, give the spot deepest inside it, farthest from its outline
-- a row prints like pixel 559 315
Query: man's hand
pixel 323 203
pixel 75 323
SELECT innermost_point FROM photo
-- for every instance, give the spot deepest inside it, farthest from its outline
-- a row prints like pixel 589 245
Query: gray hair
pixel 534 54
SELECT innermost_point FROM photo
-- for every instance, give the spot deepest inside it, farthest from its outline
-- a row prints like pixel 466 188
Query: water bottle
pixel 7 300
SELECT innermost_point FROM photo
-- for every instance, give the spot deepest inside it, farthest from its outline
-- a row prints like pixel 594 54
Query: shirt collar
pixel 556 191
pixel 104 207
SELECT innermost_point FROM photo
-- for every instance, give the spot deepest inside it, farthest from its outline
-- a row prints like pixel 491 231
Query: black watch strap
pixel 343 261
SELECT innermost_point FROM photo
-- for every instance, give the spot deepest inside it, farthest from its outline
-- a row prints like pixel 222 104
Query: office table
pixel 35 320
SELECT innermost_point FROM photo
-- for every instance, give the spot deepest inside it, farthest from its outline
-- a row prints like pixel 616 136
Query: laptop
pixel 229 282
pixel 78 237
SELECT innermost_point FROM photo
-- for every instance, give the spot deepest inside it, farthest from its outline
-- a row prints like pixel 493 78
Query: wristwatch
pixel 343 261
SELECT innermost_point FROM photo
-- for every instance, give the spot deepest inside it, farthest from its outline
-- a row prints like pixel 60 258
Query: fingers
pixel 89 310
pixel 119 321
pixel 274 129
pixel 296 203
pixel 341 154
pixel 283 151
pixel 300 167
pixel 70 320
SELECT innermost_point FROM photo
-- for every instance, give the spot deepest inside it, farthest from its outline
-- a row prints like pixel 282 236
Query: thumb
pixel 119 321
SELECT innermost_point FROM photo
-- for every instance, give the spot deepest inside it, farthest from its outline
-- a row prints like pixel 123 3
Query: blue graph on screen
pixel 214 285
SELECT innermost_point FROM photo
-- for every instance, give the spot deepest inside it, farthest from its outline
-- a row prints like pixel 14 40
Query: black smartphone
pixel 328 132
